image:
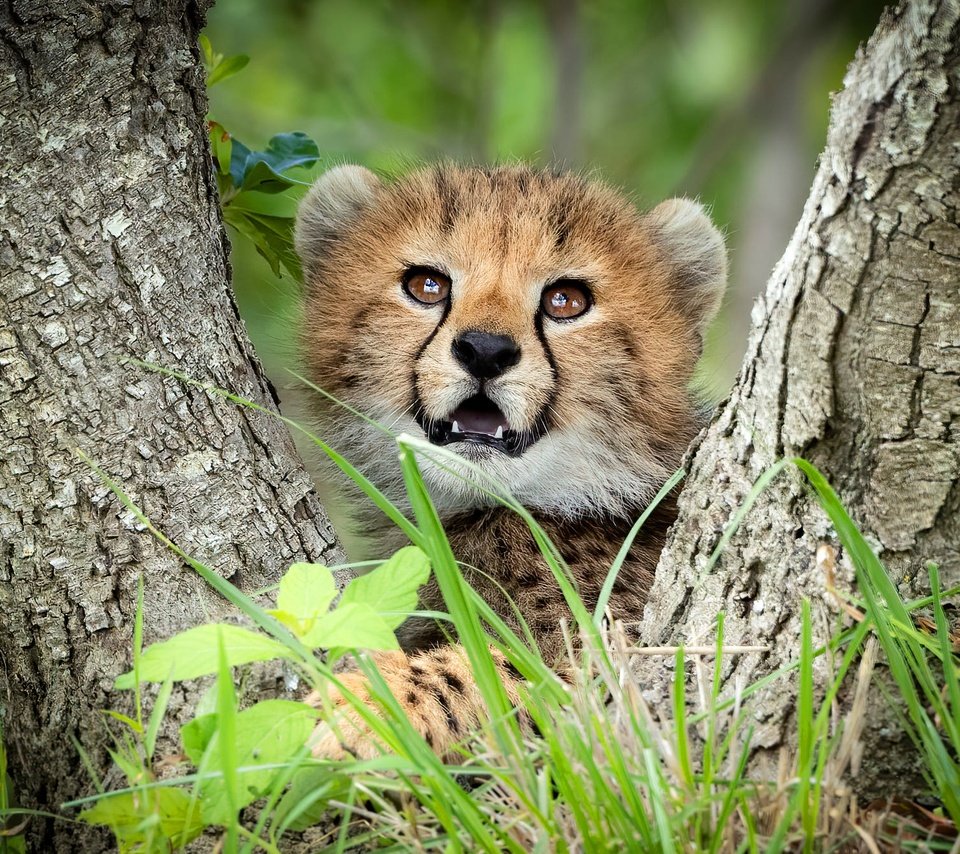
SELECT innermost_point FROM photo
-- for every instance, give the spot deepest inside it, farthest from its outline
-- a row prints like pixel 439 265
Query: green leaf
pixel 221 146
pixel 207 48
pixel 306 590
pixel 261 177
pixel 272 237
pixel 291 621
pixel 196 736
pixel 239 154
pixel 193 653
pixel 262 169
pixel 131 815
pixel 392 588
pixel 280 205
pixel 269 733
pixel 156 716
pixel 305 803
pixel 125 719
pixel 227 68
pixel 227 786
pixel 354 626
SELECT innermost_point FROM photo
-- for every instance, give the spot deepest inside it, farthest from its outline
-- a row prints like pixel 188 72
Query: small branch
pixel 693 650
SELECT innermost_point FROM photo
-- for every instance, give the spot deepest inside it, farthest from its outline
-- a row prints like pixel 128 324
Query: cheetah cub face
pixel 534 323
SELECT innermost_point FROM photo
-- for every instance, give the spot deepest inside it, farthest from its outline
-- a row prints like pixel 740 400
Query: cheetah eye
pixel 566 299
pixel 426 286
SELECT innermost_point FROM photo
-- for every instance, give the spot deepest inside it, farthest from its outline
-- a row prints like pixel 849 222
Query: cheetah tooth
pixel 499 433
pixel 455 428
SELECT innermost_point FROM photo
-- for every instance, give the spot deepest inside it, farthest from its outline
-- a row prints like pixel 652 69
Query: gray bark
pixel 854 363
pixel 112 246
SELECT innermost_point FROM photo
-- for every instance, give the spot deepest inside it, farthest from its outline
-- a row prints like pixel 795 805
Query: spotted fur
pixel 609 390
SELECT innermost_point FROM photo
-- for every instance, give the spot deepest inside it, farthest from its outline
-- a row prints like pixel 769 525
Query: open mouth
pixel 479 420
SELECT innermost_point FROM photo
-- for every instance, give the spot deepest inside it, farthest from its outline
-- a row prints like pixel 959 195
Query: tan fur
pixel 611 385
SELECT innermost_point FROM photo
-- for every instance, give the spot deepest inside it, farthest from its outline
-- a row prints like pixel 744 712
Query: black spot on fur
pixel 449 200
pixel 502 547
pixel 543 601
pixel 529 577
pixel 452 723
pixel 452 681
pixel 412 699
pixel 420 679
pixel 527 723
pixel 559 220
pixel 612 380
pixel 511 670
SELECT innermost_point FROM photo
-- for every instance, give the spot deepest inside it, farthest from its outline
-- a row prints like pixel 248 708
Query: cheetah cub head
pixel 534 323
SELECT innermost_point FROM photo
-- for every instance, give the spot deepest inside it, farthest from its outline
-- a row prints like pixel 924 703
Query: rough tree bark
pixel 854 363
pixel 111 246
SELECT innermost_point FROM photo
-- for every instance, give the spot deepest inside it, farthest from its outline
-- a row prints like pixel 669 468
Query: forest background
pixel 725 101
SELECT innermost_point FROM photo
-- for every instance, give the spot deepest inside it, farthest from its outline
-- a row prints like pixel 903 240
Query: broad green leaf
pixel 264 243
pixel 196 734
pixel 263 178
pixel 291 621
pixel 391 589
pixel 268 733
pixel 280 205
pixel 227 68
pixel 238 161
pixel 128 815
pixel 353 626
pixel 272 237
pixel 263 169
pixel 306 590
pixel 193 653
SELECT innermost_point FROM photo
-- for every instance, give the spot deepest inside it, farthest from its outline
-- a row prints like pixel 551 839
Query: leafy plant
pixel 258 195
pixel 241 755
pixel 219 67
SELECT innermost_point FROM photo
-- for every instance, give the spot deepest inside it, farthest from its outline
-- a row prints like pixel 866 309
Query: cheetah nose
pixel 484 354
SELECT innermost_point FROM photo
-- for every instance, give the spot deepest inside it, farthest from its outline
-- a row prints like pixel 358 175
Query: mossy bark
pixel 112 247
pixel 853 363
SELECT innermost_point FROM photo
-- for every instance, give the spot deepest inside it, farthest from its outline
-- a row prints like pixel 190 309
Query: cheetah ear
pixel 694 246
pixel 337 198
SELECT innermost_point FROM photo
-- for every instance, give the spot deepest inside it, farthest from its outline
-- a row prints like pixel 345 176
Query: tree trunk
pixel 111 246
pixel 854 363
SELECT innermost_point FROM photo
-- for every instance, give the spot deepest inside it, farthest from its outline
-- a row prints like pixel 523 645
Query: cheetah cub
pixel 544 330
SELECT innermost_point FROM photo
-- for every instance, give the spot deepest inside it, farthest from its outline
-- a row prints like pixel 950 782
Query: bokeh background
pixel 723 100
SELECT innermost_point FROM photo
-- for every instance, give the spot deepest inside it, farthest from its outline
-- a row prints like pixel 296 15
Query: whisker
pixel 400 415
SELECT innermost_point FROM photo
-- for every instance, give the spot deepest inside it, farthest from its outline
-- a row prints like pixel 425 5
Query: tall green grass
pixel 599 769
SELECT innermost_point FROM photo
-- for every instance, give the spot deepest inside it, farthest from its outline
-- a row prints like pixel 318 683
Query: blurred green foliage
pixel 661 98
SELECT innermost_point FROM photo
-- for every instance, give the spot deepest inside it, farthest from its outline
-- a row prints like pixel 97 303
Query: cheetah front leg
pixel 436 690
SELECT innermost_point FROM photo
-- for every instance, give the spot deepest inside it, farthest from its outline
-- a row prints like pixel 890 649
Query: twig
pixel 693 650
